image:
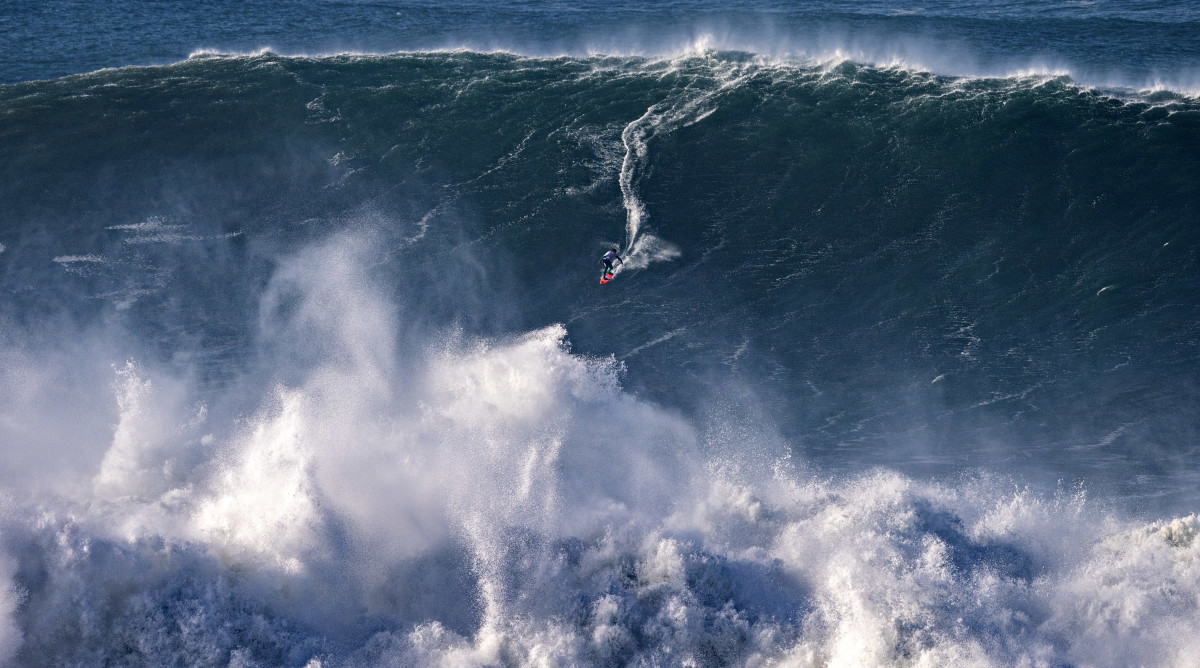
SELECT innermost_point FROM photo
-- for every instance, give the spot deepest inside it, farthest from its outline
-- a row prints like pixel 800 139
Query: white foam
pixel 155 229
pixel 150 451
pixel 1132 599
pixel 151 224
pixel 681 110
pixel 504 500
pixel 826 51
pixel 72 259
pixel 261 507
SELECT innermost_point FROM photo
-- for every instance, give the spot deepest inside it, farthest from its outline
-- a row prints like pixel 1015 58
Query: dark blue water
pixel 1134 43
pixel 305 359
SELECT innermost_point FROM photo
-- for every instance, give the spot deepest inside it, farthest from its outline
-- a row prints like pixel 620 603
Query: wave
pixel 1090 40
pixel 916 58
pixel 472 501
pixel 306 365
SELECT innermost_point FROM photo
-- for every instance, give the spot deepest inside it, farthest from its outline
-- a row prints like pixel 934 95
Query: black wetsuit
pixel 608 260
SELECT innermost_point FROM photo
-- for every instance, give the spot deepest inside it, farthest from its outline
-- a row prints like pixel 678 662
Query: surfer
pixel 607 261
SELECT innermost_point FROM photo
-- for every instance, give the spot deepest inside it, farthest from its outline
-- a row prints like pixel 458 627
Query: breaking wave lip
pixel 1186 85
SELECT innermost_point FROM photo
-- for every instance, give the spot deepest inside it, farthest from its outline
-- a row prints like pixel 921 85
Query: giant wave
pixel 305 365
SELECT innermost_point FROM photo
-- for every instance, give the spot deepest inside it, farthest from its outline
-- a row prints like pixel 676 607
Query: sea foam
pixel 459 500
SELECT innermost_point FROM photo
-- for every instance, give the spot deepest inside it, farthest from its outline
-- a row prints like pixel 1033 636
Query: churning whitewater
pixel 305 364
pixel 474 502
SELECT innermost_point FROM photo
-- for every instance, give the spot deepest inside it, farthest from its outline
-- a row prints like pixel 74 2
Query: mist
pixel 306 363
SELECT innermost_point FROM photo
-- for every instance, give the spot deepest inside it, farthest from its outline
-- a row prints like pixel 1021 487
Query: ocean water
pixel 304 360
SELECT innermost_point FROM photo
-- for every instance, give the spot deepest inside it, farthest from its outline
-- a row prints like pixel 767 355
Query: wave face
pixel 305 363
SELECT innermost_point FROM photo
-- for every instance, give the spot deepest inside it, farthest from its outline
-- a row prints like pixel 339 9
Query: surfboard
pixel 607 277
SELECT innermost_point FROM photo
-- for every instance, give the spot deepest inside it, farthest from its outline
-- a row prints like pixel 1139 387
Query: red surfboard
pixel 607 277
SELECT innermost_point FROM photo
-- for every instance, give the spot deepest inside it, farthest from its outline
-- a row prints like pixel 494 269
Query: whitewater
pixel 303 360
pixel 468 501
